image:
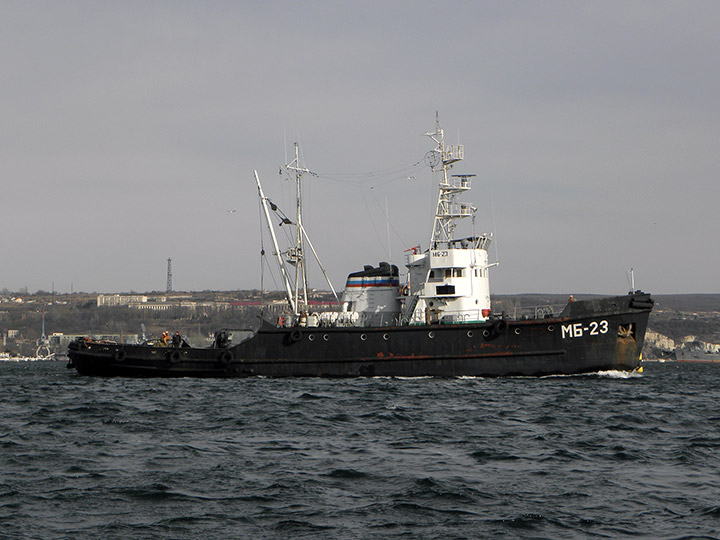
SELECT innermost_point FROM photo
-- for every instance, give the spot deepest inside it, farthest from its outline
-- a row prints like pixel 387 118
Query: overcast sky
pixel 130 130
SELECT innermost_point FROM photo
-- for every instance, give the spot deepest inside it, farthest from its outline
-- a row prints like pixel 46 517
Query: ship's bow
pixel 624 317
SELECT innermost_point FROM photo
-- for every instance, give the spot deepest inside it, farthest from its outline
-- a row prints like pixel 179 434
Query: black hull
pixel 588 336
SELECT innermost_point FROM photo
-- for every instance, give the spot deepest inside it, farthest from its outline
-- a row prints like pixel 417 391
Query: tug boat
pixel 437 321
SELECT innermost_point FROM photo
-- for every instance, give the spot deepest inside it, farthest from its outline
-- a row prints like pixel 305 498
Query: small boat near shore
pixel 8 358
pixel 435 320
pixel 694 352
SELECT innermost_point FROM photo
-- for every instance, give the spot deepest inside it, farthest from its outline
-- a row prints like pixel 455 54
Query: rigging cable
pixel 372 221
pixel 380 178
pixel 263 260
pixel 387 218
pixel 386 175
pixel 495 238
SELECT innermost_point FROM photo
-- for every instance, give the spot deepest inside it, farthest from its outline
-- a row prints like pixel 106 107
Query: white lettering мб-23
pixel 593 328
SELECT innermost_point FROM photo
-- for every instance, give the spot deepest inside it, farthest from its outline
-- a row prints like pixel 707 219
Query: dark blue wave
pixel 598 456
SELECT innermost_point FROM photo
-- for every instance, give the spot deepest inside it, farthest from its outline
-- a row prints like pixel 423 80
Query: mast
pixel 297 291
pixel 297 256
pixel 447 209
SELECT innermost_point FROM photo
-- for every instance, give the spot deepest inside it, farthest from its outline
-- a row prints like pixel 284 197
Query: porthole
pixel 551 328
pixel 326 337
pixel 311 337
pixel 431 334
pixel 517 331
pixel 469 333
pixel 386 337
pixel 486 333
pixel 363 337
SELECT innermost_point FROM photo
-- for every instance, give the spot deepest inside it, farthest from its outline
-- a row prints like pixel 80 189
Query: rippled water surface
pixel 599 456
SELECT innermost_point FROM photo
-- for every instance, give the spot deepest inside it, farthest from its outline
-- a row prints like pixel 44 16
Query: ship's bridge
pixel 450 282
pixel 471 242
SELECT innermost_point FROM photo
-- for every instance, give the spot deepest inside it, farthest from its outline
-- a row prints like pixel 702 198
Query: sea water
pixel 606 455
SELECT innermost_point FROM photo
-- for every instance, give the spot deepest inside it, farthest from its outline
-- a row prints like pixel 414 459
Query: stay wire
pixel 379 172
pixel 387 219
pixel 372 221
pixel 262 254
pixel 380 177
pixel 263 260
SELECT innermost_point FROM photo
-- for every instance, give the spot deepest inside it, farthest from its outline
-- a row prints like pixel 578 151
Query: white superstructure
pixel 448 283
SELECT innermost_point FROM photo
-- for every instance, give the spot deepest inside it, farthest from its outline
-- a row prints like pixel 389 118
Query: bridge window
pixel 445 289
